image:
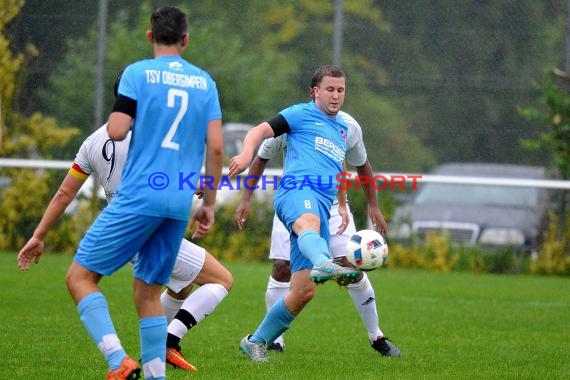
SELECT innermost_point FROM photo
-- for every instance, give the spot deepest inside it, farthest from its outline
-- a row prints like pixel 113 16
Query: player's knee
pixel 70 281
pixel 281 270
pixel 80 281
pixel 182 294
pixel 306 295
pixel 227 281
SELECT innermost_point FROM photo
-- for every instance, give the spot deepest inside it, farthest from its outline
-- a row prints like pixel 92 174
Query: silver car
pixel 485 215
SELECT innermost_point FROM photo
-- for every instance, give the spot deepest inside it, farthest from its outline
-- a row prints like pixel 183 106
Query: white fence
pixel 420 178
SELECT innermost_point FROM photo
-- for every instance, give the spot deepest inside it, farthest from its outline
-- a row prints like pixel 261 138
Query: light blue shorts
pixel 115 237
pixel 289 206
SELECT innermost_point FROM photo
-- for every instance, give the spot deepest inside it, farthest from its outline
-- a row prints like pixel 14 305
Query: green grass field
pixel 448 326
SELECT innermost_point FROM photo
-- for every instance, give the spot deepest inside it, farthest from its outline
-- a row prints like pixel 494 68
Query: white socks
pixel 200 303
pixel 363 297
pixel 170 305
pixel 362 294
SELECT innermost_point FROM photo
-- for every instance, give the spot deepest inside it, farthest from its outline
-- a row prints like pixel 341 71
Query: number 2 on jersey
pixel 172 94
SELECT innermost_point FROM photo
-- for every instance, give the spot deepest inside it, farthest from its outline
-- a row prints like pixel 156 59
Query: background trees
pixel 431 82
pixel 21 205
pixel 262 55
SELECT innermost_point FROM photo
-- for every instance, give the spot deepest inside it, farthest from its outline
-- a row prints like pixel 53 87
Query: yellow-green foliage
pixel 37 134
pixel 435 255
pixel 553 256
pixel 9 64
pixel 21 206
pixel 64 237
pixel 226 242
pixel 438 255
pixel 23 203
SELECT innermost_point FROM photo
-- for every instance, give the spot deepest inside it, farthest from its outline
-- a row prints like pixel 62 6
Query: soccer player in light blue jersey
pixel 174 110
pixel 361 291
pixel 316 141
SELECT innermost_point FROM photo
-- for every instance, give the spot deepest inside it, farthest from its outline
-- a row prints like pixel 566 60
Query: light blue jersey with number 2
pixel 167 148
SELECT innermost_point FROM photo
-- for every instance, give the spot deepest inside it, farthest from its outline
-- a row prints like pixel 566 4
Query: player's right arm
pixel 266 152
pixel 62 198
pixel 252 140
pixel 256 170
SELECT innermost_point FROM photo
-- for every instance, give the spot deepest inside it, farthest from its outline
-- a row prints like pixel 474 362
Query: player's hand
pixel 343 213
pixel 237 165
pixel 242 213
pixel 32 250
pixel 202 221
pixel 377 219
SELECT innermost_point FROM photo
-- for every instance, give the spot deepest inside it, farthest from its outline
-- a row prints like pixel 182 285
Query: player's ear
pixel 185 39
pixel 150 36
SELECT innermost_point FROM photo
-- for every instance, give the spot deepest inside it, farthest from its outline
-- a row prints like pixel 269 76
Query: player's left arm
pixel 374 213
pixel 35 246
pixel 342 207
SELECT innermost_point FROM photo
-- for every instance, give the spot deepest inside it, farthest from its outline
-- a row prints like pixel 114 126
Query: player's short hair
pixel 169 25
pixel 117 81
pixel 326 71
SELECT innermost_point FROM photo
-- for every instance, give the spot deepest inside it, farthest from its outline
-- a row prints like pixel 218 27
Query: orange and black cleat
pixel 175 358
pixel 129 370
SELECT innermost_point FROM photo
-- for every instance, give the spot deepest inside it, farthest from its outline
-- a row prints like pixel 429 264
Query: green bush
pixel 435 254
pixel 438 255
pixel 22 205
pixel 552 258
pixel 226 242
pixel 65 236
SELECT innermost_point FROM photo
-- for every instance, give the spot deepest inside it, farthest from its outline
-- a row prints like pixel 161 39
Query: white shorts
pixel 281 247
pixel 189 263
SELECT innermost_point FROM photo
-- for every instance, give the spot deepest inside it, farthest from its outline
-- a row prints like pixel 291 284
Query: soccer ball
pixel 367 250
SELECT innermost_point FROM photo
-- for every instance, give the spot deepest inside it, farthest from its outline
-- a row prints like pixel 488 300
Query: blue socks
pixel 94 314
pixel 313 247
pixel 153 346
pixel 276 321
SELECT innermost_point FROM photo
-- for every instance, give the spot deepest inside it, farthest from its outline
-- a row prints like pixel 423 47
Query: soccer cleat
pixel 385 347
pixel 256 352
pixel 346 281
pixel 175 358
pixel 276 346
pixel 129 370
pixel 332 271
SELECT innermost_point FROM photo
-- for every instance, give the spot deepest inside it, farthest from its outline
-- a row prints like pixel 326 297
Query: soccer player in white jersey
pixel 173 110
pixel 361 291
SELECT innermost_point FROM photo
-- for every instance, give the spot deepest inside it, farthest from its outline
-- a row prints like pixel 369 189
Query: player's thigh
pixel 157 256
pixel 280 247
pixel 189 263
pixel 337 243
pixel 291 205
pixel 213 272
